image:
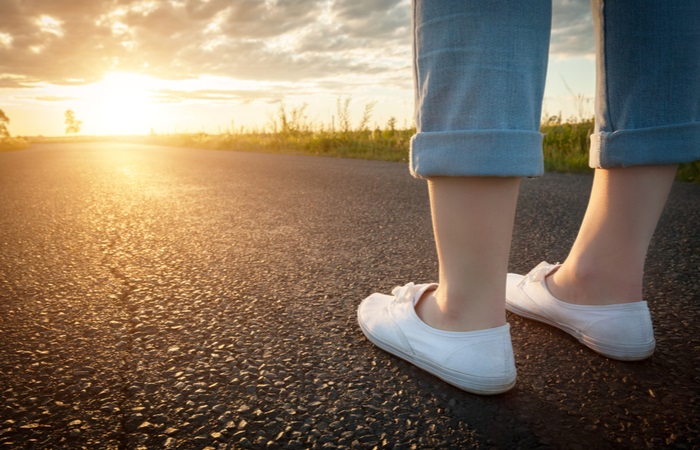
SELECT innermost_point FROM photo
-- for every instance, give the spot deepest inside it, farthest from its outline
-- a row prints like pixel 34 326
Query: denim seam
pixel 416 79
pixel 604 44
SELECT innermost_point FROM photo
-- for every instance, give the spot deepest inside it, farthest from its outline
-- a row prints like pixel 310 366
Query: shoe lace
pixel 404 293
pixel 538 273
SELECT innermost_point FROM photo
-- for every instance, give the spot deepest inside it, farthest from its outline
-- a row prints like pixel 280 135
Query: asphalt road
pixel 155 297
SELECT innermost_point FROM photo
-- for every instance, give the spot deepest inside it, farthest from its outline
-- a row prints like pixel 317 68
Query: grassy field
pixel 565 144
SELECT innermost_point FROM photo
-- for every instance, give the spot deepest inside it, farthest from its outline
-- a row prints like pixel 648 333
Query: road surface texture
pixel 157 297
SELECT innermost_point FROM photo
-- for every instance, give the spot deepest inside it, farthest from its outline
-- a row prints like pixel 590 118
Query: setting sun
pixel 122 103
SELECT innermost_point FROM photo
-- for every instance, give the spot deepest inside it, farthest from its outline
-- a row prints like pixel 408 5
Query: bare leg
pixel 473 224
pixel 606 263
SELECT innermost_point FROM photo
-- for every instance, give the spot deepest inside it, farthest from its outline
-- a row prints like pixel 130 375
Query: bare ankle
pixel 589 285
pixel 457 314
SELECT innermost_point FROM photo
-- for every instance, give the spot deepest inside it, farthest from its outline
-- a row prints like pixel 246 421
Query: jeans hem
pixel 665 145
pixel 475 153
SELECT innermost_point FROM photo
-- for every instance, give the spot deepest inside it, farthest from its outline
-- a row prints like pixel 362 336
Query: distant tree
pixel 72 124
pixel 4 120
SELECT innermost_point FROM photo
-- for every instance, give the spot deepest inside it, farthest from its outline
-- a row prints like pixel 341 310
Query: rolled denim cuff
pixel 673 144
pixel 477 153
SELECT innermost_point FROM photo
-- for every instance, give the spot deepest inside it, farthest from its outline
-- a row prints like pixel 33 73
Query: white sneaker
pixel 476 361
pixel 622 331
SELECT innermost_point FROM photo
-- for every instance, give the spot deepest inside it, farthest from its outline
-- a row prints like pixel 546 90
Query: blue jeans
pixel 480 71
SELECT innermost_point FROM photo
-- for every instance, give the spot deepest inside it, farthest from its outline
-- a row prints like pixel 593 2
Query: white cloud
pixel 48 24
pixel 6 40
pixel 572 28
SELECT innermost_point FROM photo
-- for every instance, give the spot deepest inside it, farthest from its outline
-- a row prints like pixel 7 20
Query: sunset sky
pixel 132 66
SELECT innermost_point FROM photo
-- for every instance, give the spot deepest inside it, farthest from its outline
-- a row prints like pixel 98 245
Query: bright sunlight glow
pixel 122 103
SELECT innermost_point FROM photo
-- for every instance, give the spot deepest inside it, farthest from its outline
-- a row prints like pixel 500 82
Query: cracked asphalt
pixel 180 298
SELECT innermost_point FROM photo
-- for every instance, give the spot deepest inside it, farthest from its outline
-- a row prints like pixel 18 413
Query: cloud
pixel 53 98
pixel 572 28
pixel 215 95
pixel 7 81
pixel 78 41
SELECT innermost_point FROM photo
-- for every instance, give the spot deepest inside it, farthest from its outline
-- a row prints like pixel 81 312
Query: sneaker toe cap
pixel 372 317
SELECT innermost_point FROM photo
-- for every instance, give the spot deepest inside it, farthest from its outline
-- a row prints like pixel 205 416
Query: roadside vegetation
pixel 290 131
pixel 565 142
pixel 7 142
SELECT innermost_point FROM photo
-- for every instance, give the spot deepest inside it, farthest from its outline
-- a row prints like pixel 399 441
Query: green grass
pixel 565 145
pixel 689 172
pixel 386 145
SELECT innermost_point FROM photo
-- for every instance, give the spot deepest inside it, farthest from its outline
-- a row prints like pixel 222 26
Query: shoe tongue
pixel 411 292
pixel 540 272
pixel 418 293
